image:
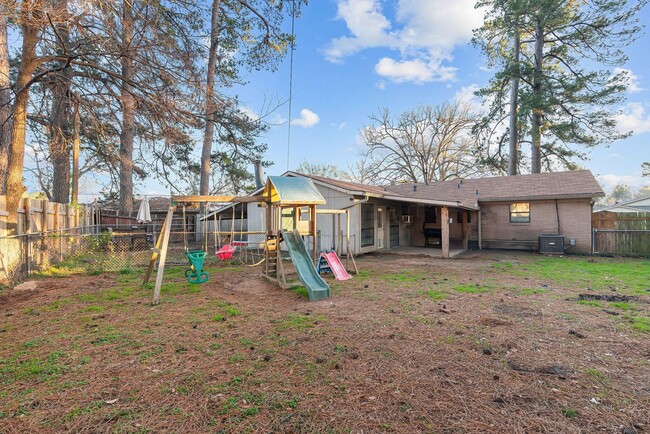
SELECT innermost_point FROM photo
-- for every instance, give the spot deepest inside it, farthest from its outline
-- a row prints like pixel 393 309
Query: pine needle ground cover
pixel 488 342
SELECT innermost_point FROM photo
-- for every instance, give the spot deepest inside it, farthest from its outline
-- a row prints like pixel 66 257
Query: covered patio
pixel 431 252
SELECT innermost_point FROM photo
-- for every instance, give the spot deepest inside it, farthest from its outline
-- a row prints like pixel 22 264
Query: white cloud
pixel 367 25
pixel 339 126
pixel 424 32
pixel 405 70
pixel 466 95
pixel 307 119
pixel 249 113
pixel 631 80
pixel 381 84
pixel 634 118
pixel 609 181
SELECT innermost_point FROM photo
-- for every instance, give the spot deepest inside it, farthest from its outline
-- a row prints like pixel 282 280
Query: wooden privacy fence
pixel 639 221
pixel 621 242
pixel 40 237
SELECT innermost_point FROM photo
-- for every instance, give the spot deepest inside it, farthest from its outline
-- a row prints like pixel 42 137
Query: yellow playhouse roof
pixel 285 190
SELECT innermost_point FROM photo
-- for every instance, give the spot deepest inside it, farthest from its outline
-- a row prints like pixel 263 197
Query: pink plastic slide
pixel 335 265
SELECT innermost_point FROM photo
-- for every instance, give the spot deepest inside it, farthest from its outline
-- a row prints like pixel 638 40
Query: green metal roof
pixel 286 190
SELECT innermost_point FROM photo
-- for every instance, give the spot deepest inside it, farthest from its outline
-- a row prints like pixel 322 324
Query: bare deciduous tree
pixel 426 144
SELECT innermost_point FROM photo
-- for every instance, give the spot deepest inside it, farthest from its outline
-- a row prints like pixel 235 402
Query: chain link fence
pixel 93 250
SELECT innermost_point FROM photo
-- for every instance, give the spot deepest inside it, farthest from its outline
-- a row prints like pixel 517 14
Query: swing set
pixel 196 274
pixel 290 206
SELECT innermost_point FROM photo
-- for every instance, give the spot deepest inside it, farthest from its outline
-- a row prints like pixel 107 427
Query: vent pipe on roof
pixel 258 174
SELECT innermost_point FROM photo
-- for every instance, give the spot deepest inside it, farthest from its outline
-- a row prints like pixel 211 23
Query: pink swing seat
pixel 225 252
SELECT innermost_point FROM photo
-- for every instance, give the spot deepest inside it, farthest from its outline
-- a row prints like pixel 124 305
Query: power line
pixel 293 18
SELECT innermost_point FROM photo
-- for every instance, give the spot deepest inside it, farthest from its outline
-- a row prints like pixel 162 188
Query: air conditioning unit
pixel 551 244
pixel 407 219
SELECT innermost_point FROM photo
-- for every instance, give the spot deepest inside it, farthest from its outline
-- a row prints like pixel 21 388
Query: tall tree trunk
pixel 536 124
pixel 15 187
pixel 60 117
pixel 513 160
pixel 127 135
pixel 5 103
pixel 210 106
pixel 60 139
pixel 76 144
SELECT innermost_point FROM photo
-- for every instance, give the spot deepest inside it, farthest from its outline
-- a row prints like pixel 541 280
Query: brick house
pixel 511 212
pixel 508 212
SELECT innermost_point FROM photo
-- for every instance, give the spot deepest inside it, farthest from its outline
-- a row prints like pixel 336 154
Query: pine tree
pixel 562 102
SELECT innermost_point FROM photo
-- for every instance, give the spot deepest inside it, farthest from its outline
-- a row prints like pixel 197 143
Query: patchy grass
pixel 471 289
pixel 32 369
pixel 640 324
pixel 297 322
pixel 434 295
pixel 92 354
pixel 592 303
pixel 628 276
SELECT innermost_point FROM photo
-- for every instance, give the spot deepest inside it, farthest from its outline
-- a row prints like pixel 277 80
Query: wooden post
pixel 27 205
pixel 347 239
pixel 465 229
pixel 445 232
pixel 339 234
pixel 163 255
pixel 57 223
pixel 44 224
pixel 156 252
pixel 312 229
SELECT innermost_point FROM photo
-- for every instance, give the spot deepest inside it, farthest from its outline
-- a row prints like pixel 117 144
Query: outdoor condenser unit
pixel 551 244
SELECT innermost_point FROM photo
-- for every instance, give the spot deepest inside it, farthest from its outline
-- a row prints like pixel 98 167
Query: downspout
pixel 557 213
pixel 480 225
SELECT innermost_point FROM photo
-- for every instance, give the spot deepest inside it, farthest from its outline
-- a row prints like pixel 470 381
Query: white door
pixel 380 227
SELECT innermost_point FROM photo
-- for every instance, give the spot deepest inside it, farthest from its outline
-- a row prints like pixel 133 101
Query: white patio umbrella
pixel 144 215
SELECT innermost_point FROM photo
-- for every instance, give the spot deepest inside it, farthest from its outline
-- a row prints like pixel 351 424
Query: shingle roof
pixel 556 185
pixel 640 204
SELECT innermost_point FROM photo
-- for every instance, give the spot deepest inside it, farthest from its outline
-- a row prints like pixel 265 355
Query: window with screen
pixel 520 212
pixel 367 225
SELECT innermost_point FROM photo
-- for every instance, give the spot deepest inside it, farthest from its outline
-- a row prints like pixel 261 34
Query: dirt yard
pixel 496 342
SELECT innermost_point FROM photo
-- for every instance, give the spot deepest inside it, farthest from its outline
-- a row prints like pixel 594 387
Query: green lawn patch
pixel 434 295
pixel 629 276
pixel 471 289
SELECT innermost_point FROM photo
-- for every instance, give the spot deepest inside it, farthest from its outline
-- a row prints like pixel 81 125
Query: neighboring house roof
pixel 634 205
pixel 292 191
pixel 157 204
pixel 557 185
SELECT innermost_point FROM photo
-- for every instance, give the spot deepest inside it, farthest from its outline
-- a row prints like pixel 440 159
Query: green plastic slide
pixel 317 288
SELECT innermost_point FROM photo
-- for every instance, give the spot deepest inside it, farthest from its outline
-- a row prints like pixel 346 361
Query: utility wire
pixel 293 18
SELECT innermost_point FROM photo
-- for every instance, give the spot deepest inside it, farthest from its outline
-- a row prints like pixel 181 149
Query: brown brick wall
pixel 575 223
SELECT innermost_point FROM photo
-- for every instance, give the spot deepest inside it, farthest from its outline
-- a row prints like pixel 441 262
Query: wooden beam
pixel 163 256
pixel 215 199
pixel 156 252
pixel 330 211
pixel 444 220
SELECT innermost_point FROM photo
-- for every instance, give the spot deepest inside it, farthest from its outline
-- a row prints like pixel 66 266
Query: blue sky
pixel 356 56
